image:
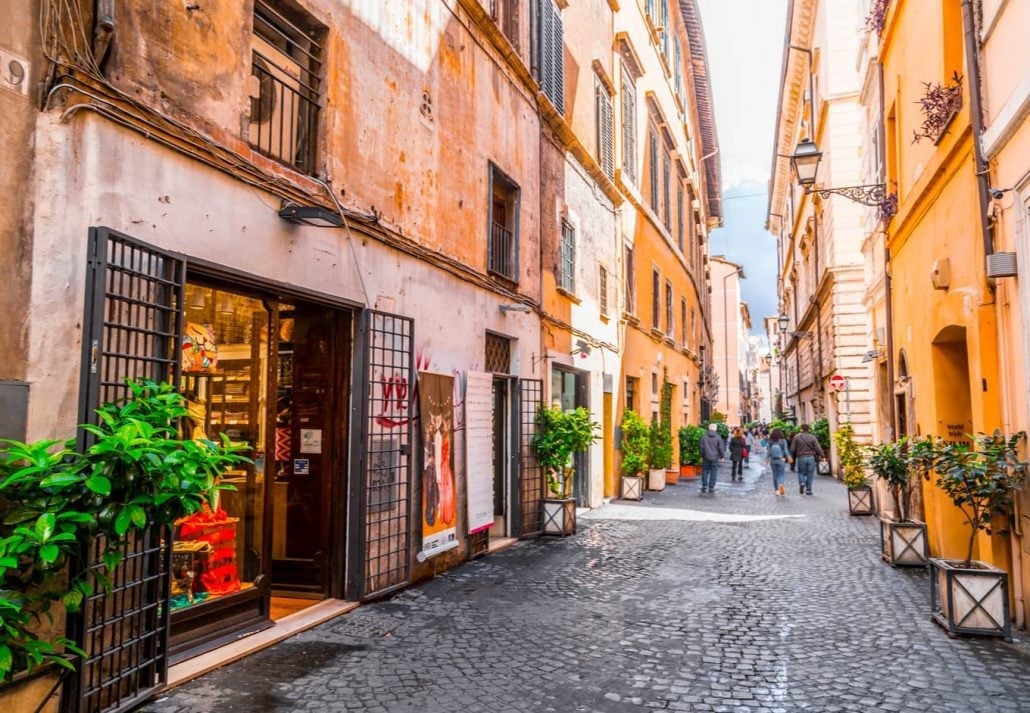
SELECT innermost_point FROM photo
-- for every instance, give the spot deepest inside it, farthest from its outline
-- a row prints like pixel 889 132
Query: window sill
pixel 575 300
pixel 630 318
pixel 510 281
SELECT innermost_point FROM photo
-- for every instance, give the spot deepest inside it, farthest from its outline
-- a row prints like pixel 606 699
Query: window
pixel 667 190
pixel 631 285
pixel 285 83
pixel 654 382
pixel 506 14
pixel 551 48
pixel 665 29
pixel 650 9
pixel 652 153
pixel 602 288
pixel 669 325
pixel 656 297
pixel 605 129
pixel 631 393
pixel 568 257
pixel 503 240
pixel 498 353
pixel 679 216
pixel 677 56
pixel 683 322
pixel 629 127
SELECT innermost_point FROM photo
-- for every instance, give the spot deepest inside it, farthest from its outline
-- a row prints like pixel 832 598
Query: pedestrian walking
pixel 749 445
pixel 777 455
pixel 712 451
pixel 805 450
pixel 737 455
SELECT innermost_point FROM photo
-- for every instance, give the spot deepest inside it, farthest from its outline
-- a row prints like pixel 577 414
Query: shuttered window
pixel 602 288
pixel 605 129
pixel 652 152
pixel 665 29
pixel 629 127
pixel 666 191
pixel 629 279
pixel 551 46
pixel 656 300
pixel 568 257
pixel 678 68
pixel 679 216
pixel 683 325
pixel 669 323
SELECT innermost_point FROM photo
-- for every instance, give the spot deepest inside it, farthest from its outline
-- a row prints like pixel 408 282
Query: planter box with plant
pixel 134 474
pixel 560 434
pixel 860 495
pixel 660 456
pixel 690 451
pixel 968 596
pixel 636 442
pixel 902 539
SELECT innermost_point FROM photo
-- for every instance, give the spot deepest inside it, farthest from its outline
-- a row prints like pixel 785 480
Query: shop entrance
pixel 569 390
pixel 502 456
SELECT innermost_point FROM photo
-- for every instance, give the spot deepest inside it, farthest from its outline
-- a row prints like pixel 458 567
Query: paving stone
pixel 681 602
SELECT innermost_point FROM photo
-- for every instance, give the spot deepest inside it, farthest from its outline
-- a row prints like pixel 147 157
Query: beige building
pixel 729 338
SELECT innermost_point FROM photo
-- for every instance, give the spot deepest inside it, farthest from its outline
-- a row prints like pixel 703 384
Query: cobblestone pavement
pixel 735 601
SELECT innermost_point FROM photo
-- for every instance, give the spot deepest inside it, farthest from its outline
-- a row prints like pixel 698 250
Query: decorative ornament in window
pixel 939 104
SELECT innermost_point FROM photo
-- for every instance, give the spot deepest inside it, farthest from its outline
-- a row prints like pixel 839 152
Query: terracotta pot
pixel 690 471
pixel 672 477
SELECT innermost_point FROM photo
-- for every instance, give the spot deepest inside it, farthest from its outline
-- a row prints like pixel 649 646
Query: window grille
pixel 603 290
pixel 629 127
pixel 498 353
pixel 531 475
pixel 285 88
pixel 568 257
pixel 552 54
pixel 605 129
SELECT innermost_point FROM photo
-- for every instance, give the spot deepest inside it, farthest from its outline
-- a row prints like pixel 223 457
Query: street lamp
pixel 805 163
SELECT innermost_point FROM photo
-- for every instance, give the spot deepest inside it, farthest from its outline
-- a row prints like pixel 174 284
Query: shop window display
pixel 217 552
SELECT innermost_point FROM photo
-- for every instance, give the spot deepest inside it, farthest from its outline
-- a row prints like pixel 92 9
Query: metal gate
pixel 132 322
pixel 531 475
pixel 381 491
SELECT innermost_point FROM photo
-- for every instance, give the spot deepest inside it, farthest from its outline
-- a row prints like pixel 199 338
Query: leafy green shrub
pixel 660 457
pixel 889 463
pixel 636 443
pixel 690 444
pixel 821 431
pixel 56 499
pixel 559 435
pixel 850 454
pixel 980 479
pixel 788 428
pixel 721 428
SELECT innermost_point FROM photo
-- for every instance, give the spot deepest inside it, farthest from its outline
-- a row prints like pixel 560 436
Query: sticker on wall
pixel 311 440
pixel 301 466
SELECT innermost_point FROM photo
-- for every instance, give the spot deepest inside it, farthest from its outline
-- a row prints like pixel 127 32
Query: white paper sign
pixel 479 449
pixel 311 440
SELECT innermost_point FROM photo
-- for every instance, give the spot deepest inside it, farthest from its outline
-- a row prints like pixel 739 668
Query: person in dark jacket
pixel 737 445
pixel 712 451
pixel 805 450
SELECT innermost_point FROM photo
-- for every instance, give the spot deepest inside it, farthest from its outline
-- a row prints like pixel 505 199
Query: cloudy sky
pixel 745 50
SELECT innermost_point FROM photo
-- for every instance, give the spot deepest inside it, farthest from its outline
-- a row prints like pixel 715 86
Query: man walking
pixel 805 449
pixel 713 450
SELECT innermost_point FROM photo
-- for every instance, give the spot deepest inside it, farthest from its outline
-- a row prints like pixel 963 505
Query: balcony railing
pixel 284 113
pixel 502 251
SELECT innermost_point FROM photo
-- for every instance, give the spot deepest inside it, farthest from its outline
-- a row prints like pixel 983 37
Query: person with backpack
pixel 805 450
pixel 713 450
pixel 737 455
pixel 776 456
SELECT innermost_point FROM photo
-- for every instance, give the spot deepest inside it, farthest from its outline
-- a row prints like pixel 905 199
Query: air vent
pixel 1001 265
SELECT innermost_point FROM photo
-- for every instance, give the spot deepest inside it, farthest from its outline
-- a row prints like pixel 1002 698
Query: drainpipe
pixel 103 30
pixel 887 301
pixel 818 371
pixel 976 118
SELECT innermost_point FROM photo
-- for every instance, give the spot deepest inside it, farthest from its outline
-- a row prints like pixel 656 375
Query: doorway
pixel 502 424
pixel 569 391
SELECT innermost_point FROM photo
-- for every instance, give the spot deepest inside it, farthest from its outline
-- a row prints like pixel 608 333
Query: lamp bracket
pixel 872 195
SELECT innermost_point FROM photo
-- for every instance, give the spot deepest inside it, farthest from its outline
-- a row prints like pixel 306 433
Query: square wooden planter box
pixel 903 544
pixel 970 600
pixel 560 516
pixel 632 487
pixel 860 500
pixel 656 479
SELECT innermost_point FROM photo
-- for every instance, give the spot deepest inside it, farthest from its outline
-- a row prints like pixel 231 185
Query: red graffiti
pixel 393 403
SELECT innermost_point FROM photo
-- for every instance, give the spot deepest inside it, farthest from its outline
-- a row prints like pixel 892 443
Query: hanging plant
pixel 877 16
pixel 939 104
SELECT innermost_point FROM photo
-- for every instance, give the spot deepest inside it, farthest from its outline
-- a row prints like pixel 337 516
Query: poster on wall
pixel 439 488
pixel 479 450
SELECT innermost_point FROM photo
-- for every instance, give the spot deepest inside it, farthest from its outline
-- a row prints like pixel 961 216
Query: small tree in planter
pixel 969 596
pixel 636 443
pixel 821 431
pixel 902 539
pixel 559 435
pixel 659 455
pixel 690 451
pixel 860 495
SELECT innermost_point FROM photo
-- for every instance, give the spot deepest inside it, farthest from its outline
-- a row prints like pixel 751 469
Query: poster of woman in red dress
pixel 439 489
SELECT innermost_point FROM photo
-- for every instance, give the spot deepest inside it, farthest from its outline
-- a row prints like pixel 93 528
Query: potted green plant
pixel 690 451
pixel 55 499
pixel 636 442
pixel 969 596
pixel 860 494
pixel 560 434
pixel 902 538
pixel 659 457
pixel 821 431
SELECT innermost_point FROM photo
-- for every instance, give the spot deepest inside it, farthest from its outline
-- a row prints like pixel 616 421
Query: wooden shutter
pixel 552 54
pixel 629 129
pixel 605 130
pixel 652 142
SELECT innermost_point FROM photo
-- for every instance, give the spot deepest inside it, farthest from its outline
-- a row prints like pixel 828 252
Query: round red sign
pixel 838 382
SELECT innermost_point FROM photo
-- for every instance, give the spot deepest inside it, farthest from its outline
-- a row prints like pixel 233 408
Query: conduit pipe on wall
pixel 976 118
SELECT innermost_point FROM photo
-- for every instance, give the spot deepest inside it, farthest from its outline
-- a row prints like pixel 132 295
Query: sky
pixel 745 52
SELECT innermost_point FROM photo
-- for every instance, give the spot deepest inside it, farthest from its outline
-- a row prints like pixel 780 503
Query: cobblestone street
pixel 685 602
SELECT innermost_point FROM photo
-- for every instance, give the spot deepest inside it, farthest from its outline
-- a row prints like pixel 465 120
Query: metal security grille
pixel 531 475
pixel 385 482
pixel 568 257
pixel 131 328
pixel 498 353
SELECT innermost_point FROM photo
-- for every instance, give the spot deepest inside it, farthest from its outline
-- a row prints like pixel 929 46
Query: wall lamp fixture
pixel 872 355
pixel 517 307
pixel 582 348
pixel 805 164
pixel 311 215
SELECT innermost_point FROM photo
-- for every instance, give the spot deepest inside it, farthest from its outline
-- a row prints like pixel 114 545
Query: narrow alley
pixel 728 602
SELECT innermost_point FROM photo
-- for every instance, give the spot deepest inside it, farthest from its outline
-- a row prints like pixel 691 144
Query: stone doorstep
pixel 284 628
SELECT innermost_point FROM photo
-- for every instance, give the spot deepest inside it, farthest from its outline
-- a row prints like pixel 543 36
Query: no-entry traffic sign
pixel 838 382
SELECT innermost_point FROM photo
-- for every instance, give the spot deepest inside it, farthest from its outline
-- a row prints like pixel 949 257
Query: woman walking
pixel 737 455
pixel 777 455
